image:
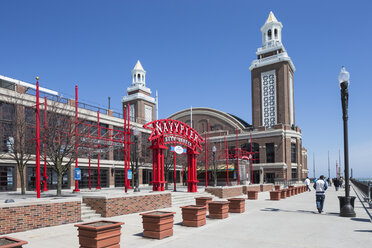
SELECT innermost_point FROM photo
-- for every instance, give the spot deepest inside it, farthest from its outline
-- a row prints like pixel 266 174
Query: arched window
pixel 276 33
pixel 269 34
pixel 139 77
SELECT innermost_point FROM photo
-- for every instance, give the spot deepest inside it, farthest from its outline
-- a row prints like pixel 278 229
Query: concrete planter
pixel 275 195
pixel 283 194
pixel 218 209
pixel 194 215
pixel 9 242
pixel 100 233
pixel 277 187
pixel 252 195
pixel 157 224
pixel 236 205
pixel 203 201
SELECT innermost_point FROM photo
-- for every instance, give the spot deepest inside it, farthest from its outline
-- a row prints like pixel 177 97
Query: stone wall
pixel 255 187
pixel 266 187
pixel 225 192
pixel 109 206
pixel 23 216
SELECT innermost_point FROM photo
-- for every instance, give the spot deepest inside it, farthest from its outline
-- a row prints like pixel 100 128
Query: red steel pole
pixel 37 140
pixel 90 187
pixel 174 169
pixel 98 171
pixel 227 162
pixel 125 149
pixel 206 160
pixel 128 147
pixel 251 162
pixel 45 146
pixel 237 155
pixel 76 139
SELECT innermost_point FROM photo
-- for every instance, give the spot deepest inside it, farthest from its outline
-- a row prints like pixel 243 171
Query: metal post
pixel 174 170
pixel 237 154
pixel 214 167
pixel 45 146
pixel 98 171
pixel 90 187
pixel 227 162
pixel 37 140
pixel 76 138
pixel 347 210
pixel 125 149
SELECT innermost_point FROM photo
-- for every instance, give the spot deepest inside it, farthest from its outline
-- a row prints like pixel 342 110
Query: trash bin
pixel 342 201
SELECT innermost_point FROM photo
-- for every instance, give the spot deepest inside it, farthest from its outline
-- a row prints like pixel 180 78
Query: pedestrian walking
pixel 307 183
pixel 336 183
pixel 341 182
pixel 320 186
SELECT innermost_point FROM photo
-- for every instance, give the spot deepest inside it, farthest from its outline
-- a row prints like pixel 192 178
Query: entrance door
pixel 256 176
pixel 270 177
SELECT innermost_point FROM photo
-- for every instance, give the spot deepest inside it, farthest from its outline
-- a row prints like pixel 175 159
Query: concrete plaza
pixel 292 222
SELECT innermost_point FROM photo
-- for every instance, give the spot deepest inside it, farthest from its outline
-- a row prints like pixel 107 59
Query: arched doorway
pixel 168 131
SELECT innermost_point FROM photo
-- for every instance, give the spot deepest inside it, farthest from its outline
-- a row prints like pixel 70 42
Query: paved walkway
pixel 293 222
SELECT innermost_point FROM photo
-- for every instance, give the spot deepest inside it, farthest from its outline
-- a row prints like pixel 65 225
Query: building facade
pixel 273 137
pixel 276 140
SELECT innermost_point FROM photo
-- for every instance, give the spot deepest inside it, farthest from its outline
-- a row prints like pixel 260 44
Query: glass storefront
pixel 7 178
pixel 103 178
pixel 51 181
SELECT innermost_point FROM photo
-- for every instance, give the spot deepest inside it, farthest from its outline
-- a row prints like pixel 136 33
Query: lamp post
pixel 347 209
pixel 136 134
pixel 214 149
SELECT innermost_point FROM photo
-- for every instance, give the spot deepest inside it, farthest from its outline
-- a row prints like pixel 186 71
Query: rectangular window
pixel 291 99
pixel 268 98
pixel 293 153
pixel 148 113
pixel 270 153
pixel 294 173
pixel 132 114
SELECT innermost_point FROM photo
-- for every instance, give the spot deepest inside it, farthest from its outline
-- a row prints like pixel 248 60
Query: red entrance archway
pixel 169 131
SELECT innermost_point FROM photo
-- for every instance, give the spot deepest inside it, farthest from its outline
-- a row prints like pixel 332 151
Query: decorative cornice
pixel 272 60
pixel 138 96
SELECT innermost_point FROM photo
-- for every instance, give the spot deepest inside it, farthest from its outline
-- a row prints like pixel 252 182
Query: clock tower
pixel 141 103
pixel 272 80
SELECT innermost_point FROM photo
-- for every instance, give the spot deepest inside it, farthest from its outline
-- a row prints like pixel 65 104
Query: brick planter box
pixel 289 192
pixel 277 187
pixel 218 209
pixel 112 204
pixel 252 195
pixel 157 224
pixel 99 234
pixel 203 201
pixel 236 205
pixel 225 192
pixel 9 242
pixel 283 193
pixel 275 195
pixel 33 214
pixel 194 215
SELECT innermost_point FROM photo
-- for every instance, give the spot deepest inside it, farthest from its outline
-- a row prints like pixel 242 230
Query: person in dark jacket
pixel 336 183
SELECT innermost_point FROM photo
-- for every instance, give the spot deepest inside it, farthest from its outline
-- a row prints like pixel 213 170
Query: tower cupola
pixel 138 75
pixel 271 32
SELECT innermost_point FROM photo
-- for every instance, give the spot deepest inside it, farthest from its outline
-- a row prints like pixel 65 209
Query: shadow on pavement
pixel 297 211
pixel 138 234
pixel 361 219
pixel 363 231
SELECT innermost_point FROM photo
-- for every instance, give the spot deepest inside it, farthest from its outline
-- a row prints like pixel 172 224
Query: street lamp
pixel 214 149
pixel 136 134
pixel 347 209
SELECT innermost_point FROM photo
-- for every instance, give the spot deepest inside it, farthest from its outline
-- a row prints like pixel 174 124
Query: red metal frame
pixel 168 131
pixel 111 140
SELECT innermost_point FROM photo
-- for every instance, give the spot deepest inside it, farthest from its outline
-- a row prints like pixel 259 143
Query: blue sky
pixel 197 53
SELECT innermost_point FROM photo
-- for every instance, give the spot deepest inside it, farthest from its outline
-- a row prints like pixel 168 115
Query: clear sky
pixel 197 53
